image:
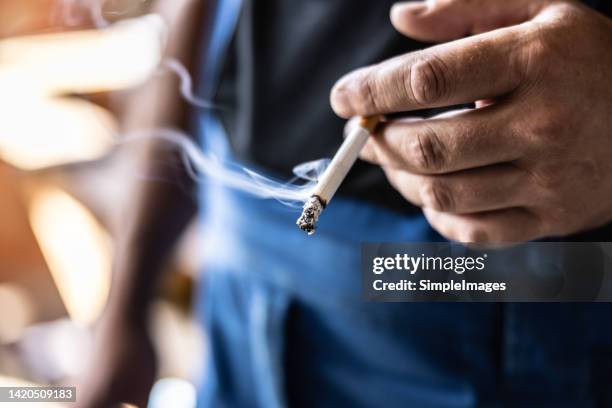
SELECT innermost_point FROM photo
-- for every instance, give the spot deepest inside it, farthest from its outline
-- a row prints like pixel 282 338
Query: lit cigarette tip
pixel 310 215
pixel 335 173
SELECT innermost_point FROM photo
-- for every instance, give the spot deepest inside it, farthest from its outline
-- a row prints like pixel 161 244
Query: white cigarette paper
pixel 336 172
pixel 344 159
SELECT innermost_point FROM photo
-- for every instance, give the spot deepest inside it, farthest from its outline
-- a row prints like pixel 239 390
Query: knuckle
pixel 548 181
pixel 549 127
pixel 548 133
pixel 436 196
pixel 424 151
pixel 537 47
pixel 428 81
pixel 530 59
pixel 543 48
pixel 427 151
pixel 365 99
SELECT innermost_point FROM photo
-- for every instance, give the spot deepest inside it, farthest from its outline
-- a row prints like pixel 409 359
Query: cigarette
pixel 333 176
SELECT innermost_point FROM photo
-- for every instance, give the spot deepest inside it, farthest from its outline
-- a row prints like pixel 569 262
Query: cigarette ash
pixel 310 214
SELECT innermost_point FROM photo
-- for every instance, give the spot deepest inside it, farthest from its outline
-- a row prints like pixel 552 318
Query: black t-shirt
pixel 283 61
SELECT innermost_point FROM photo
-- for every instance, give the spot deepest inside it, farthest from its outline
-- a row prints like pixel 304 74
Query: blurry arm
pixel 161 205
pixel 162 201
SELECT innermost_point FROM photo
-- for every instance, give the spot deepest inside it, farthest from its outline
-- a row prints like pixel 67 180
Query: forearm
pixel 163 197
pixel 164 205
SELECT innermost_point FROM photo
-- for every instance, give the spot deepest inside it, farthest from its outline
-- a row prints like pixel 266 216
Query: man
pixel 283 311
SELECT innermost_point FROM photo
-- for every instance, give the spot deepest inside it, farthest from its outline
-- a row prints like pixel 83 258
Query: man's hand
pixel 534 159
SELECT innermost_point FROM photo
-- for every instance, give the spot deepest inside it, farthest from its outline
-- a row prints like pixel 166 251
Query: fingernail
pixel 340 100
pixel 408 9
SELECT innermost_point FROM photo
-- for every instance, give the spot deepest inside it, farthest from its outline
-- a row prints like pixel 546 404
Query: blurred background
pixel 64 64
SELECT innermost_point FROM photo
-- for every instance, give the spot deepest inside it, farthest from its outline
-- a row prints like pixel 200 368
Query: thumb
pixel 445 20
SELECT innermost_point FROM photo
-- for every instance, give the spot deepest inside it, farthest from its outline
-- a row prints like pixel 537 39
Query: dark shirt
pixel 283 61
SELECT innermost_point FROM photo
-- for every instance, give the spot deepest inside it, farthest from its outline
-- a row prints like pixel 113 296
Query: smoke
pixel 202 166
pixel 186 83
pixel 205 166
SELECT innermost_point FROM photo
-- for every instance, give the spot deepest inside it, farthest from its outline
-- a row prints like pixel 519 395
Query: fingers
pixel 471 191
pixel 480 67
pixel 504 226
pixel 444 20
pixel 429 21
pixel 446 143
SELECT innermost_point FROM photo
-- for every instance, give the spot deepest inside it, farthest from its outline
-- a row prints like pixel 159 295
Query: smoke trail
pixel 311 170
pixel 233 176
pixel 66 9
pixel 237 177
pixel 200 165
pixel 186 83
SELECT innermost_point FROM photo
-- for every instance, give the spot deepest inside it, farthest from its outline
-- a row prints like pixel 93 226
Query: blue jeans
pixel 287 327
